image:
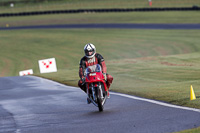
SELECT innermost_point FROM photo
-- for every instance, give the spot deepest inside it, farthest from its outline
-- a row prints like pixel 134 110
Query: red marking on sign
pixel 49 63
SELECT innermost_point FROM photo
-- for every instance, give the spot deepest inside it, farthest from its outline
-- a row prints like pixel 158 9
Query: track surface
pixel 34 105
pixel 110 26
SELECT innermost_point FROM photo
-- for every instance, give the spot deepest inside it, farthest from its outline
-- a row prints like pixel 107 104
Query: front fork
pixel 94 91
pixel 101 91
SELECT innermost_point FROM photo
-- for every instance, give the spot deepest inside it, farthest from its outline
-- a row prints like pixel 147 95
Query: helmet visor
pixel 89 52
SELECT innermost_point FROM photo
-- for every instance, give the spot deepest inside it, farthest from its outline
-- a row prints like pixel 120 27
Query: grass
pixel 195 130
pixel 132 17
pixel 95 4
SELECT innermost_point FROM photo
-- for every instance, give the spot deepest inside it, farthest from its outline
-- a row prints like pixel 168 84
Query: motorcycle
pixel 97 90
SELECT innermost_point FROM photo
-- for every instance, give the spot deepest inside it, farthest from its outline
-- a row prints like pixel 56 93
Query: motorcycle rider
pixel 92 58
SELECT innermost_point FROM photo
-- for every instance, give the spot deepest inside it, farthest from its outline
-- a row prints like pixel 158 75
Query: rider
pixel 92 58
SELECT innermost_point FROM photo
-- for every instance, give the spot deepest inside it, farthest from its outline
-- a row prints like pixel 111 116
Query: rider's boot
pixel 88 101
pixel 108 86
pixel 108 94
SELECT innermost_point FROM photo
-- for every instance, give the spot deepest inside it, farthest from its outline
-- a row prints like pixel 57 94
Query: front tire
pixel 99 100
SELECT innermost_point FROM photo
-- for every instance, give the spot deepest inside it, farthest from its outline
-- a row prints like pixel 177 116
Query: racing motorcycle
pixel 97 90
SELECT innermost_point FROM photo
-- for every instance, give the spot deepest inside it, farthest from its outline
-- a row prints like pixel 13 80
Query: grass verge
pixel 194 130
pixel 91 4
pixel 83 18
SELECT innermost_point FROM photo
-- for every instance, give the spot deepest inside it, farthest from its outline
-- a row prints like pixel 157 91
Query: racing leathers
pixel 85 62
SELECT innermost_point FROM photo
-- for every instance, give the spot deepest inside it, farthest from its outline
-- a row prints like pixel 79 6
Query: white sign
pixel 47 65
pixel 25 72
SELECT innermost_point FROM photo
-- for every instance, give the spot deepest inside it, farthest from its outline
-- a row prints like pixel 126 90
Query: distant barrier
pixel 194 8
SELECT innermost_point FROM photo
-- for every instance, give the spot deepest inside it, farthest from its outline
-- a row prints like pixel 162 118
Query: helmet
pixel 89 48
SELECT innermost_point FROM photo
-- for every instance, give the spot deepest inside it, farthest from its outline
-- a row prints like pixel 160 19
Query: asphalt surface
pixel 109 26
pixel 34 105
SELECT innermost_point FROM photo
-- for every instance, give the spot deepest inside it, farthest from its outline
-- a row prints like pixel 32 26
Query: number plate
pixel 92 74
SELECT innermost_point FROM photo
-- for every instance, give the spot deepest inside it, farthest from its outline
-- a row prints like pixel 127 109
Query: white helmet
pixel 89 48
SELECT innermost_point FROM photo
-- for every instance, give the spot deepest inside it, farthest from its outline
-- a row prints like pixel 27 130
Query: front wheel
pixel 99 101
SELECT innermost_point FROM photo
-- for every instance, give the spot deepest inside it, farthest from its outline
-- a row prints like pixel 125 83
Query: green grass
pixel 194 130
pixel 94 4
pixel 82 18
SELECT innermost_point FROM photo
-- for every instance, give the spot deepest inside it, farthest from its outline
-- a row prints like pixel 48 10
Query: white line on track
pixel 156 102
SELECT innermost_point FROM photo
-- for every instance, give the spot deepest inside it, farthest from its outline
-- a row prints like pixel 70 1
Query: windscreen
pixel 94 68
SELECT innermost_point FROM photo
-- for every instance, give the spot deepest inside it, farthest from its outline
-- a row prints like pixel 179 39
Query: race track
pixel 34 105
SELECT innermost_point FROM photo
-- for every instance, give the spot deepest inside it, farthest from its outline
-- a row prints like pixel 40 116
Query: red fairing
pixel 94 78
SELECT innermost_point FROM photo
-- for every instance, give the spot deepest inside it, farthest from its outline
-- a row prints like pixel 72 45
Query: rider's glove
pixel 105 77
